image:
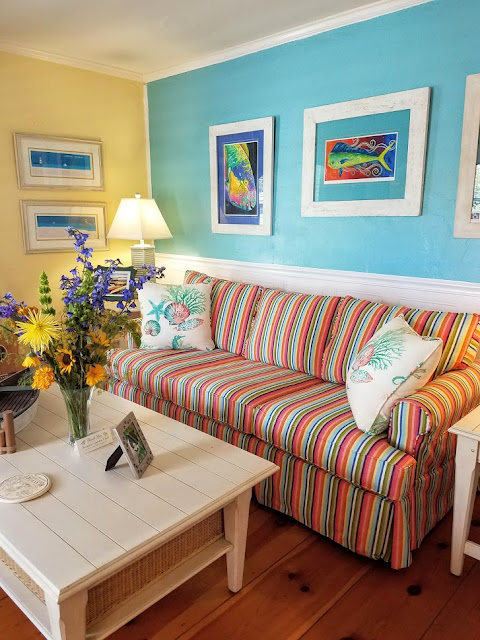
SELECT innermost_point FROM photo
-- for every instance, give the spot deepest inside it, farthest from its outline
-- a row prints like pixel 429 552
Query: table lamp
pixel 139 218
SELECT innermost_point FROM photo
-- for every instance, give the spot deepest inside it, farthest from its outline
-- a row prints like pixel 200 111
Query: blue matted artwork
pixel 42 159
pixel 240 170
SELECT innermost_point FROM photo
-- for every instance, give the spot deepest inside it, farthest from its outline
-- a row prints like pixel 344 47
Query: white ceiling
pixel 155 38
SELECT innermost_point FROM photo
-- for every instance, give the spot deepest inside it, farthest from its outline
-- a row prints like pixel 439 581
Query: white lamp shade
pixel 138 218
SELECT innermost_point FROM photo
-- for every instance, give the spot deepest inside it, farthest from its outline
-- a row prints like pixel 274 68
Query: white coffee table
pixel 101 547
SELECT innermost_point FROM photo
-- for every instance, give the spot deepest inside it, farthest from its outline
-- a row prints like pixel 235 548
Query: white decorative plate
pixel 24 487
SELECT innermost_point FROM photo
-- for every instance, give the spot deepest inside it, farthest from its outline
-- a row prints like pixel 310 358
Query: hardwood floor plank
pixel 397 605
pixel 14 625
pixel 271 536
pixel 275 605
pixel 460 619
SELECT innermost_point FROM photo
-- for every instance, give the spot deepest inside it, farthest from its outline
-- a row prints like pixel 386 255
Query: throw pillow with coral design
pixel 176 316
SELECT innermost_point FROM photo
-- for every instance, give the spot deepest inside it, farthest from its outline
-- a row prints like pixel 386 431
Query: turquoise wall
pixel 435 44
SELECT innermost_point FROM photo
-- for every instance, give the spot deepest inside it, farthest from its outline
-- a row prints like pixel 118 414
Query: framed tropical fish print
pixel 366 157
pixel 241 177
pixel 467 214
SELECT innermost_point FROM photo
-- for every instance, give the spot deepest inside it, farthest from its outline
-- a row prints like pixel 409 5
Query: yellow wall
pixel 52 99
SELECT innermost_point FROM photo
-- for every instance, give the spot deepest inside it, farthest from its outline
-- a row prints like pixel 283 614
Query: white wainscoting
pixel 423 293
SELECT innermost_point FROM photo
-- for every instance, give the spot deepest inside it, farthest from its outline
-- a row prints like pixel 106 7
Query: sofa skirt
pixel 364 522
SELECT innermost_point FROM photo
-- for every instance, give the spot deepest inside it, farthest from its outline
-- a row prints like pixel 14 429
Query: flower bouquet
pixel 71 347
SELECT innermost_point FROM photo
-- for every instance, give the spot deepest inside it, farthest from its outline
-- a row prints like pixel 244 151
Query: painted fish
pixel 344 155
pixel 240 187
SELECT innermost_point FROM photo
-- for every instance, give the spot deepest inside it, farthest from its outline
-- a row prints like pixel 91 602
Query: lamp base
pixel 142 254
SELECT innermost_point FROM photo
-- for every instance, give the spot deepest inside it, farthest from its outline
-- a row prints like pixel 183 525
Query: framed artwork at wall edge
pixel 50 162
pixel 467 213
pixel 366 157
pixel 44 224
pixel 241 177
pixel 122 280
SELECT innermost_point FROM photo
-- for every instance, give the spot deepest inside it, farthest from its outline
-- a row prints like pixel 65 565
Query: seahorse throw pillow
pixel 176 316
pixel 394 364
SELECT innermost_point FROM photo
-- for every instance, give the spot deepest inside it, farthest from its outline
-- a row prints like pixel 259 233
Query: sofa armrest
pixel 434 409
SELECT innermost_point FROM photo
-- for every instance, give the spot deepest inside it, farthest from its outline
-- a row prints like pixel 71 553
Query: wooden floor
pixel 299 585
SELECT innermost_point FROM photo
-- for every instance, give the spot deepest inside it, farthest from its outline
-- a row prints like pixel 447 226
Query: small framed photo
pixel 121 281
pixel 49 162
pixel 133 444
pixel 45 224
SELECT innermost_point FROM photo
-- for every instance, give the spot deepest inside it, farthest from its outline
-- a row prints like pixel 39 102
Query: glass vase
pixel 78 403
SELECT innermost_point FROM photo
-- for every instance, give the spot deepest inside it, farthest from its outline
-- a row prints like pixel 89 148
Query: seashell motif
pixel 188 325
pixel 176 312
pixel 152 328
pixel 364 356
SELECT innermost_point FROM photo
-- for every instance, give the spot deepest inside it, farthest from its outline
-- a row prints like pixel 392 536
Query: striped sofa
pixel 275 386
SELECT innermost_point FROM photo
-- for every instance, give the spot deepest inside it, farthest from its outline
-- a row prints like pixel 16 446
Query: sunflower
pixel 43 378
pixel 99 338
pixel 65 359
pixel 38 331
pixel 95 374
pixel 31 361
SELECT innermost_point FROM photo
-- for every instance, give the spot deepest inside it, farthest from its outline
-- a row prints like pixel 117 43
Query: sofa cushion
pixel 291 330
pixel 216 384
pixel 317 425
pixel 357 321
pixel 175 316
pixel 232 310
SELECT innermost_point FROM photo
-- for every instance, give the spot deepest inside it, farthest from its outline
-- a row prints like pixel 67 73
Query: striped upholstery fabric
pixel 291 330
pixel 224 387
pixel 364 522
pixel 357 321
pixel 232 310
pixel 437 406
pixel 355 324
pixel 458 332
pixel 317 425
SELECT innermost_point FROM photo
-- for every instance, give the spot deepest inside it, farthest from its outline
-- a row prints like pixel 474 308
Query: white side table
pixel 467 468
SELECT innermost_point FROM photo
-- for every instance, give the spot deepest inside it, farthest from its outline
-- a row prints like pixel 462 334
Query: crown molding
pixel 419 293
pixel 373 10
pixel 9 47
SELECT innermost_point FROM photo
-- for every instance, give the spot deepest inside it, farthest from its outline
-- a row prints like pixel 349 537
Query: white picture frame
pixel 44 223
pixel 417 102
pixel 466 226
pixel 51 162
pixel 259 224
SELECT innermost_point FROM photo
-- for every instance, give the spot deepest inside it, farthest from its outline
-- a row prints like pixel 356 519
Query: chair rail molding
pixel 423 293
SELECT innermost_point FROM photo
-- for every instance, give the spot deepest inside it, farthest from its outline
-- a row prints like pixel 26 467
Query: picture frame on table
pixel 241 177
pixel 366 157
pixel 467 211
pixel 45 222
pixel 51 162
pixel 133 444
pixel 121 281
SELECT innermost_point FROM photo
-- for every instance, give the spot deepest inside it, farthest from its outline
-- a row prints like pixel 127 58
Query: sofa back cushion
pixel 357 321
pixel 291 330
pixel 232 309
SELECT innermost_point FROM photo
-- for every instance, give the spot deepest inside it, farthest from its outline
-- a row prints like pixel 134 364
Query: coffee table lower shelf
pixel 123 594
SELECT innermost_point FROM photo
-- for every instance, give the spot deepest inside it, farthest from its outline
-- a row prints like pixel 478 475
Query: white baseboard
pixel 422 293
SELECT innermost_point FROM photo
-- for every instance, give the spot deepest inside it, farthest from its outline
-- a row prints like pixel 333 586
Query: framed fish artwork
pixel 50 162
pixel 241 177
pixel 467 213
pixel 366 157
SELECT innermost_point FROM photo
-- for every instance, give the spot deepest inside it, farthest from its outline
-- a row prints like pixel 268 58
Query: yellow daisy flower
pixel 38 331
pixel 31 361
pixel 43 378
pixel 99 337
pixel 95 374
pixel 65 359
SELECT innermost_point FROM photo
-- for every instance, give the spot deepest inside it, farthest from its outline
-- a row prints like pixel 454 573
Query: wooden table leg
pixel 68 618
pixel 235 517
pixel 466 478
